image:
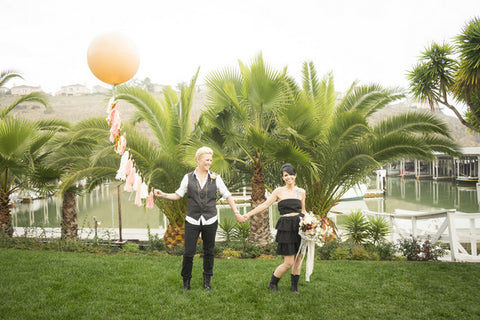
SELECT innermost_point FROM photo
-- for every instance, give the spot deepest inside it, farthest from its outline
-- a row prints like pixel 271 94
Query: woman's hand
pixel 158 193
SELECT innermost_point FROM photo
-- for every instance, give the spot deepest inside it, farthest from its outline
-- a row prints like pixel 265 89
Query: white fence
pixel 448 226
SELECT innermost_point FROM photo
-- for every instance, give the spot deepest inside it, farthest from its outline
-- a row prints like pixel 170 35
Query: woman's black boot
pixel 186 283
pixel 295 279
pixel 273 285
pixel 206 282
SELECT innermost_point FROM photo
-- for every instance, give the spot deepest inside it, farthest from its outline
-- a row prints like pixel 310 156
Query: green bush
pixel 359 252
pixel 325 252
pixel 130 248
pixel 341 253
pixel 414 250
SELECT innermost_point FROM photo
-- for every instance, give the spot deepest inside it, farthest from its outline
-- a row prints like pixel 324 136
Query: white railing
pixel 448 226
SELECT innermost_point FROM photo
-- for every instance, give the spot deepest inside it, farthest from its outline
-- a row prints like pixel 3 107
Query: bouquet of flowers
pixel 313 230
pixel 316 229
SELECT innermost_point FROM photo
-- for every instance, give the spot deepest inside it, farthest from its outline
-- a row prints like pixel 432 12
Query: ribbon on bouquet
pixel 308 246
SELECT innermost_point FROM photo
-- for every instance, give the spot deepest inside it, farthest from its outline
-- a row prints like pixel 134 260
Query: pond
pixel 101 204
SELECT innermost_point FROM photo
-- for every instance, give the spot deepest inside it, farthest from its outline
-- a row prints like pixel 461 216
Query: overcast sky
pixel 370 41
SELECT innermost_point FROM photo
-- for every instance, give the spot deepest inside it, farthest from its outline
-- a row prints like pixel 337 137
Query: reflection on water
pixel 408 194
pixel 418 195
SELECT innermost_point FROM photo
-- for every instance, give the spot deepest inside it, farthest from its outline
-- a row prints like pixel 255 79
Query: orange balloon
pixel 113 58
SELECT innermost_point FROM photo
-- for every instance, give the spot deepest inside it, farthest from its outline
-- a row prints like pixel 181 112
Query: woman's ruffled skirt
pixel 287 235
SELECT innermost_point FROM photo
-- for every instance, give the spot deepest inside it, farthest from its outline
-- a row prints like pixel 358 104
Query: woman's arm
pixel 267 203
pixel 303 202
pixel 169 196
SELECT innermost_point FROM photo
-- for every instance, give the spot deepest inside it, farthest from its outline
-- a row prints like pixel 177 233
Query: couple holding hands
pixel 201 187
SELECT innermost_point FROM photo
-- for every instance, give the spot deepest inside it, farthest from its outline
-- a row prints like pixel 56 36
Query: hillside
pixel 76 108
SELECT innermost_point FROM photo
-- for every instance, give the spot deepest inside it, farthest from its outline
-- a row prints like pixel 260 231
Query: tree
pixel 21 148
pixel 344 145
pixel 22 151
pixel 240 124
pixel 81 159
pixel 160 157
pixel 438 75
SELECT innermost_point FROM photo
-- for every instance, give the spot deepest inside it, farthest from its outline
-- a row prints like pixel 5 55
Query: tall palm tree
pixel 81 154
pixel 23 147
pixel 240 122
pixel 342 141
pixel 439 75
pixel 160 157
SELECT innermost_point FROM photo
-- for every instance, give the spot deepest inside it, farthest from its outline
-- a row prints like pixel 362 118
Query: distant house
pixel 100 89
pixel 73 90
pixel 23 90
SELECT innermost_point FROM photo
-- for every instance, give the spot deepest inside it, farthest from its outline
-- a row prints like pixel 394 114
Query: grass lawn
pixel 58 285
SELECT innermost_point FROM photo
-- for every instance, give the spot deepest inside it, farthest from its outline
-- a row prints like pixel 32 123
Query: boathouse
pixel 463 169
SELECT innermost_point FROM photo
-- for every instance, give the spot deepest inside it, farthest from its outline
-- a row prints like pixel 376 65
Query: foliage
pixel 341 141
pixel 228 229
pixel 446 70
pixel 356 227
pixel 415 250
pixel 161 157
pixel 378 229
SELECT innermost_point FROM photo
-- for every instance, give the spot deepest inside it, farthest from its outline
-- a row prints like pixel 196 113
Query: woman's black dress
pixel 287 227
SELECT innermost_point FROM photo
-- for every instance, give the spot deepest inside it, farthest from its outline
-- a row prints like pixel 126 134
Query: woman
pixel 291 205
pixel 201 187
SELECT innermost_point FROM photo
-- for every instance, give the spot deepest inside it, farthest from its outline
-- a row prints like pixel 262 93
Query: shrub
pixel 378 228
pixel 341 253
pixel 386 250
pixel 359 252
pixel 356 227
pixel 414 250
pixel 230 253
pixel 228 229
pixel 130 248
pixel 325 252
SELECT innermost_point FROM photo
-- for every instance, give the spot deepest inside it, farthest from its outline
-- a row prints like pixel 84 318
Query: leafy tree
pixel 240 122
pixel 23 148
pixel 81 159
pixel 439 75
pixel 343 143
pixel 160 156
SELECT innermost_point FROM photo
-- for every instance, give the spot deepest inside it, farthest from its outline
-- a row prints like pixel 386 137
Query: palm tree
pixel 439 75
pixel 22 151
pixel 160 157
pixel 240 122
pixel 343 143
pixel 82 153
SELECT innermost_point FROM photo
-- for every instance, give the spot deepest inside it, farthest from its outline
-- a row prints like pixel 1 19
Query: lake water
pixel 408 194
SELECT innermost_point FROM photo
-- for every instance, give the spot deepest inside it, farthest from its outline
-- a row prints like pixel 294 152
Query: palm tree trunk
pixel 174 235
pixel 5 217
pixel 259 223
pixel 69 216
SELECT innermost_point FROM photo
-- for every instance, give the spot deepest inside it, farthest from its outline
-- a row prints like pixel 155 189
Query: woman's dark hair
pixel 288 168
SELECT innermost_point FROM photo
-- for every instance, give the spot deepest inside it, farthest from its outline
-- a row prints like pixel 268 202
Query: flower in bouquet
pixel 315 228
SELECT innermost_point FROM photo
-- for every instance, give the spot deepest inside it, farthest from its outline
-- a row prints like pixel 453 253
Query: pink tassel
pixel 122 145
pixel 116 122
pixel 150 202
pixel 128 167
pixel 138 196
pixel 130 180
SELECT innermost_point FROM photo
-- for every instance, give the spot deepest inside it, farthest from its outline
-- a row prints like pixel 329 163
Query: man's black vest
pixel 201 202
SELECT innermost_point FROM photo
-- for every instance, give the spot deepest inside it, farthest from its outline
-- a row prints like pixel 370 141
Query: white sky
pixel 371 41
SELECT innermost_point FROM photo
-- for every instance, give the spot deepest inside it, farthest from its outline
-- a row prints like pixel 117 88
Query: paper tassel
pixel 138 196
pixel 150 202
pixel 121 170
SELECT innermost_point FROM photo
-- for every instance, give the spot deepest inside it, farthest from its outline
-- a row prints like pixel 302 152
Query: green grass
pixel 58 285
